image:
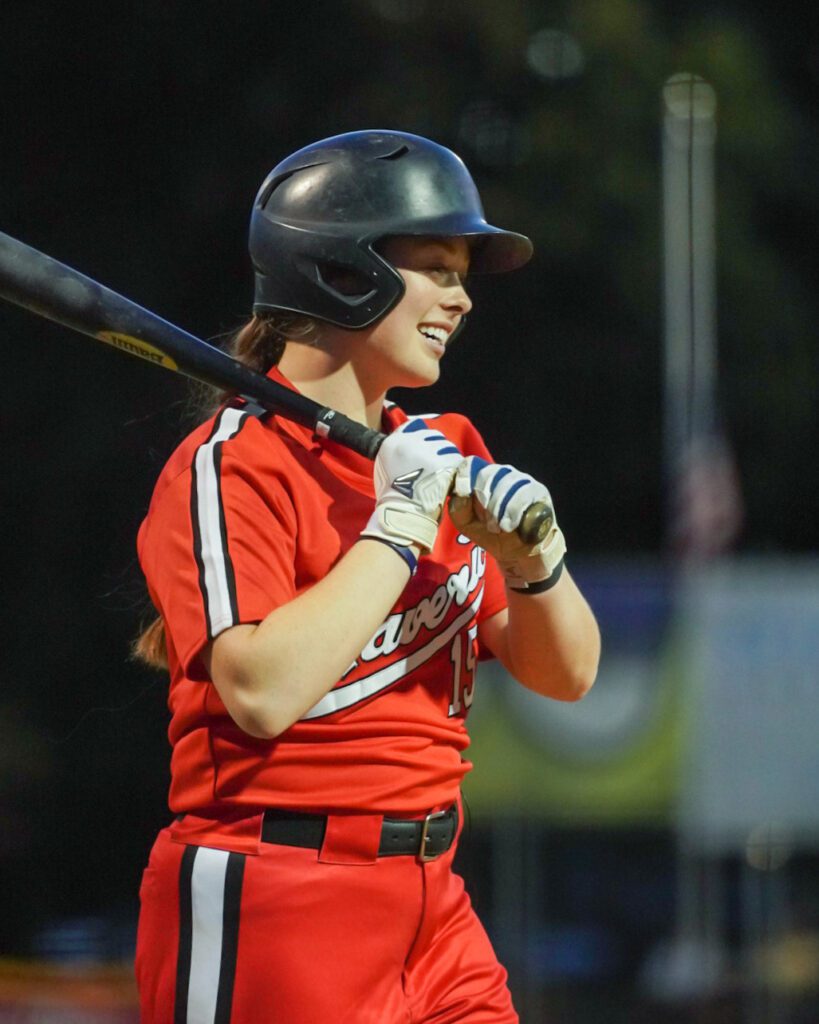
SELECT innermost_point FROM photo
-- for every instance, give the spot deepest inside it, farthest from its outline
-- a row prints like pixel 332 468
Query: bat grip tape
pixel 337 427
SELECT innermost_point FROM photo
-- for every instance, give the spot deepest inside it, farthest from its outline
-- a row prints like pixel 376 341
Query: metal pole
pixel 689 418
pixel 689 245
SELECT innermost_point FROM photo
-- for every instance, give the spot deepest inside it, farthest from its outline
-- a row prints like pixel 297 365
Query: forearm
pixel 270 674
pixel 552 642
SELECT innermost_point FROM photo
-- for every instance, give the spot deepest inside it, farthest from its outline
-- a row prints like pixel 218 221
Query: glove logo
pixel 404 484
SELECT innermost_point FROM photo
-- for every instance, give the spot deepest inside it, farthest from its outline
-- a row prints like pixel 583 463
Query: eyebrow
pixel 443 242
pixel 441 246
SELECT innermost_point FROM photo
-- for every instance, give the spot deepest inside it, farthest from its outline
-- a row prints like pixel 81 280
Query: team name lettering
pixel 403 627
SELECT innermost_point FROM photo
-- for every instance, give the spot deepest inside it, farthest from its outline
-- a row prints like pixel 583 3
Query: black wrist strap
pixel 543 585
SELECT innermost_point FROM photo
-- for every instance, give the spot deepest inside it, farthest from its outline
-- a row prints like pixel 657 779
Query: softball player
pixel 322 620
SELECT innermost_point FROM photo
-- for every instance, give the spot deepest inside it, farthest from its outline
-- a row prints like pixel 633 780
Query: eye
pixel 447 276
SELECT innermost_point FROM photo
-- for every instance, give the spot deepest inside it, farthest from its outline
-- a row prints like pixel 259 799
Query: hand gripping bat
pixel 37 282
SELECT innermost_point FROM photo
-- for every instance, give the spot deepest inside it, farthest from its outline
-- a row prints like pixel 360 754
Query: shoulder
pixel 238 433
pixel 238 455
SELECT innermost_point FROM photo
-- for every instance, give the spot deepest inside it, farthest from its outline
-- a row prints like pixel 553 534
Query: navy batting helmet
pixel 321 212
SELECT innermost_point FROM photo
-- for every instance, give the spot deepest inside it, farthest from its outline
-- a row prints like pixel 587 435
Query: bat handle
pixel 350 433
pixel 536 522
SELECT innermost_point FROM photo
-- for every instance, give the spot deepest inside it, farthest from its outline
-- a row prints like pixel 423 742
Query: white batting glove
pixel 489 504
pixel 413 474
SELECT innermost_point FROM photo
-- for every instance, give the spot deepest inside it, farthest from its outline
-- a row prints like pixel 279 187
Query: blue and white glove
pixel 488 505
pixel 413 475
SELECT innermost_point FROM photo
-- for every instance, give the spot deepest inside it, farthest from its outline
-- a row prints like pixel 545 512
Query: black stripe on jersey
pixel 234 875
pixel 252 408
pixel 183 962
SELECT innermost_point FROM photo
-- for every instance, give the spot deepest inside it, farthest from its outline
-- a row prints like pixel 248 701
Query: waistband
pixel 425 838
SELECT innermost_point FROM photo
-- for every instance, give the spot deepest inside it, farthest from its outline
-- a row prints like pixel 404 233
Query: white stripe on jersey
pixel 209 512
pixel 207 915
pixel 352 693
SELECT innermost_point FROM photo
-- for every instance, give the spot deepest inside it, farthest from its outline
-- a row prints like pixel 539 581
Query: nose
pixel 457 300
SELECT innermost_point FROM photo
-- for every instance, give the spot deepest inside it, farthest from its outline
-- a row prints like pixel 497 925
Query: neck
pixel 332 381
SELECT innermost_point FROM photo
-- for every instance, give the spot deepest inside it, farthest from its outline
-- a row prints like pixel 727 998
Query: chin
pixel 418 380
pixel 421 376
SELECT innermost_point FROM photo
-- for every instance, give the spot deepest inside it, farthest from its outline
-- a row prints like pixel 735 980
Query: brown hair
pixel 151 646
pixel 259 344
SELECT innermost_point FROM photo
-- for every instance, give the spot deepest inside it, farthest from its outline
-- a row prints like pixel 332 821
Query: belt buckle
pixel 423 856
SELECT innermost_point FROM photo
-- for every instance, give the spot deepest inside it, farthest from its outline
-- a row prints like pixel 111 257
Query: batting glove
pixel 488 506
pixel 413 475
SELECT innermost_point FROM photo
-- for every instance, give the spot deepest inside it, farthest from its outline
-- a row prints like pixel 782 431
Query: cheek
pixel 420 294
pixel 394 331
pixel 406 316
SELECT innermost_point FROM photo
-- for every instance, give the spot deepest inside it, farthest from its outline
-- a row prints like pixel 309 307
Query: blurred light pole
pixel 704 506
pixel 689 278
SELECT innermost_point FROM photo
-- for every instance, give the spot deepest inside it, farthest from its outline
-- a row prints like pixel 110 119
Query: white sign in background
pixel 751 754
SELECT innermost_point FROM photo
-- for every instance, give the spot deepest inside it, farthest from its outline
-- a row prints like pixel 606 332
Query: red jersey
pixel 250 511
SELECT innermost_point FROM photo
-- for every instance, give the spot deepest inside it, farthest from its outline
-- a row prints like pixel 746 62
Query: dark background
pixel 132 141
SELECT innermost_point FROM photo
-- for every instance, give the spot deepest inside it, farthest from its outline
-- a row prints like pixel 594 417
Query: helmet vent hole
pixel 396 153
pixel 343 280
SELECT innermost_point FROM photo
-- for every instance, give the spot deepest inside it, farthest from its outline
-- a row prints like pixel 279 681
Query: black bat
pixel 37 282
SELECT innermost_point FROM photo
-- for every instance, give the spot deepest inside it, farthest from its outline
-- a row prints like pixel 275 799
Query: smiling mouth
pixel 436 338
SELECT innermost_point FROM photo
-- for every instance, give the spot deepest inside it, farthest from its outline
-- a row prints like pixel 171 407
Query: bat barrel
pixel 51 289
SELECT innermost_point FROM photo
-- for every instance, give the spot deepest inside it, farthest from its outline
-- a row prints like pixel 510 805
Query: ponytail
pixel 151 646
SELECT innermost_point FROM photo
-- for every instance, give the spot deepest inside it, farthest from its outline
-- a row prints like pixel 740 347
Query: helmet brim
pixel 497 251
pixel 492 250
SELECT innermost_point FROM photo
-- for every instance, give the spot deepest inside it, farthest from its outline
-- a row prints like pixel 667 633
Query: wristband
pixel 406 553
pixel 542 585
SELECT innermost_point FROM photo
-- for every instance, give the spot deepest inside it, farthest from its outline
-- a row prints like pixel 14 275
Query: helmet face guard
pixel 324 210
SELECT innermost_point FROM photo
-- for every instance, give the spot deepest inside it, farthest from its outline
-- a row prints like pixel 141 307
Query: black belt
pixel 425 839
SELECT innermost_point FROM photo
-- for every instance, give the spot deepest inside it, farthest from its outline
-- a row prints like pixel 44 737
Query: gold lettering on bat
pixel 137 347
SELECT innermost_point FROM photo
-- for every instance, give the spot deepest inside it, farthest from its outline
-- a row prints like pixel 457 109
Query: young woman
pixel 322 619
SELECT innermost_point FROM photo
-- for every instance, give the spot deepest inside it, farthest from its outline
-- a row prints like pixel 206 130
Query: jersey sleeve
pixel 218 550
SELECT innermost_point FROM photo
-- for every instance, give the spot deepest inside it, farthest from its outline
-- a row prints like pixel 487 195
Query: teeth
pixel 438 333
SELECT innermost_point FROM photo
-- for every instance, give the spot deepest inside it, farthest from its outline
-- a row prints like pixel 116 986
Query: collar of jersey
pixel 355 469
